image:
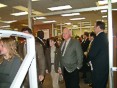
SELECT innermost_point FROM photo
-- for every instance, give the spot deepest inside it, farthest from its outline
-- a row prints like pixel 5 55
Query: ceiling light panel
pixel 60 8
pixel 49 21
pixel 39 18
pixel 2 5
pixel 77 18
pixel 20 13
pixel 72 14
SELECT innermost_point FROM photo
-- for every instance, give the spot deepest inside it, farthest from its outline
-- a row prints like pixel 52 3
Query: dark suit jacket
pixel 73 56
pixel 85 45
pixel 48 60
pixel 40 58
pixel 99 57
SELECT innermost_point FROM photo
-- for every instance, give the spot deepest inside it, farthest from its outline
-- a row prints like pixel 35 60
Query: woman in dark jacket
pixel 52 62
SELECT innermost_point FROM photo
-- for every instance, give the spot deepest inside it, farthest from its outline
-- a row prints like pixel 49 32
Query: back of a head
pixel 26 29
pixel 40 34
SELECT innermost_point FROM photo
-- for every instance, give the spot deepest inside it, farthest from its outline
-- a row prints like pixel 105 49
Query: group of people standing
pixel 67 59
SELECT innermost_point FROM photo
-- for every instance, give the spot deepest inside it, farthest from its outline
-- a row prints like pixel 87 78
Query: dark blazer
pixel 85 45
pixel 99 57
pixel 48 60
pixel 73 56
pixel 8 71
pixel 39 56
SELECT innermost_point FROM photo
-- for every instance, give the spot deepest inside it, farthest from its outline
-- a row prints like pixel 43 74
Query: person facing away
pixel 71 58
pixel 10 62
pixel 52 62
pixel 40 58
pixel 99 56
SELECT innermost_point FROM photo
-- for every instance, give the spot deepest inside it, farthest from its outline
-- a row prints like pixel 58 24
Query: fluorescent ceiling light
pixel 49 21
pixel 71 14
pixel 35 0
pixel 114 9
pixel 22 8
pixel 2 5
pixel 60 7
pixel 39 18
pixel 68 23
pixel 9 21
pixel 104 16
pixel 6 26
pixel 106 2
pixel 19 13
pixel 77 18
pixel 103 11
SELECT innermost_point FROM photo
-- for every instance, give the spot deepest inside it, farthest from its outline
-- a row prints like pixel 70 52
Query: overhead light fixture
pixel 2 5
pixel 6 26
pixel 49 21
pixel 9 21
pixel 20 13
pixel 114 9
pixel 40 18
pixel 35 0
pixel 77 18
pixel 60 7
pixel 68 23
pixel 104 16
pixel 71 14
pixel 105 2
pixel 103 11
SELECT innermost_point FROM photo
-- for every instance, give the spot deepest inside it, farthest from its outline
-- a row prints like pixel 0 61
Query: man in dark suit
pixel 99 57
pixel 39 38
pixel 71 58
pixel 40 58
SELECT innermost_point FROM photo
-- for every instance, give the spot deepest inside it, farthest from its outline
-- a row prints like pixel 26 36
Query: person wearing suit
pixel 71 58
pixel 85 44
pixel 40 58
pixel 39 38
pixel 10 62
pixel 52 62
pixel 99 56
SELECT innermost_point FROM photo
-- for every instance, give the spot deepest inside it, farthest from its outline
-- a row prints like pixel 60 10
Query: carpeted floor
pixel 48 84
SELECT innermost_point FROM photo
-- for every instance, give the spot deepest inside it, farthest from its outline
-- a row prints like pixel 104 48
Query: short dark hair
pixel 100 24
pixel 93 34
pixel 40 34
pixel 86 33
pixel 26 29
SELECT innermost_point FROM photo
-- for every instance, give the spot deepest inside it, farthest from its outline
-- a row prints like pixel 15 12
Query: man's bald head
pixel 66 33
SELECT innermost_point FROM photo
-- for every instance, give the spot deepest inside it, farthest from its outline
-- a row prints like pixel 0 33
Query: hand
pixel 47 71
pixel 41 77
pixel 59 70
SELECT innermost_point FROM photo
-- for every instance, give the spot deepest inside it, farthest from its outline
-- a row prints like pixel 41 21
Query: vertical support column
pixel 29 14
pixel 110 34
pixel 52 30
pixel 32 69
pixel 61 28
pixel 80 28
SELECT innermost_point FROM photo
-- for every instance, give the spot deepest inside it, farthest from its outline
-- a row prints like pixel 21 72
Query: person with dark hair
pixel 40 36
pixel 10 62
pixel 88 79
pixel 85 44
pixel 52 62
pixel 99 56
pixel 40 58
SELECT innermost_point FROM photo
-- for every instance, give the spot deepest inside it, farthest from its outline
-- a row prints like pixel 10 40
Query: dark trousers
pixel 71 79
